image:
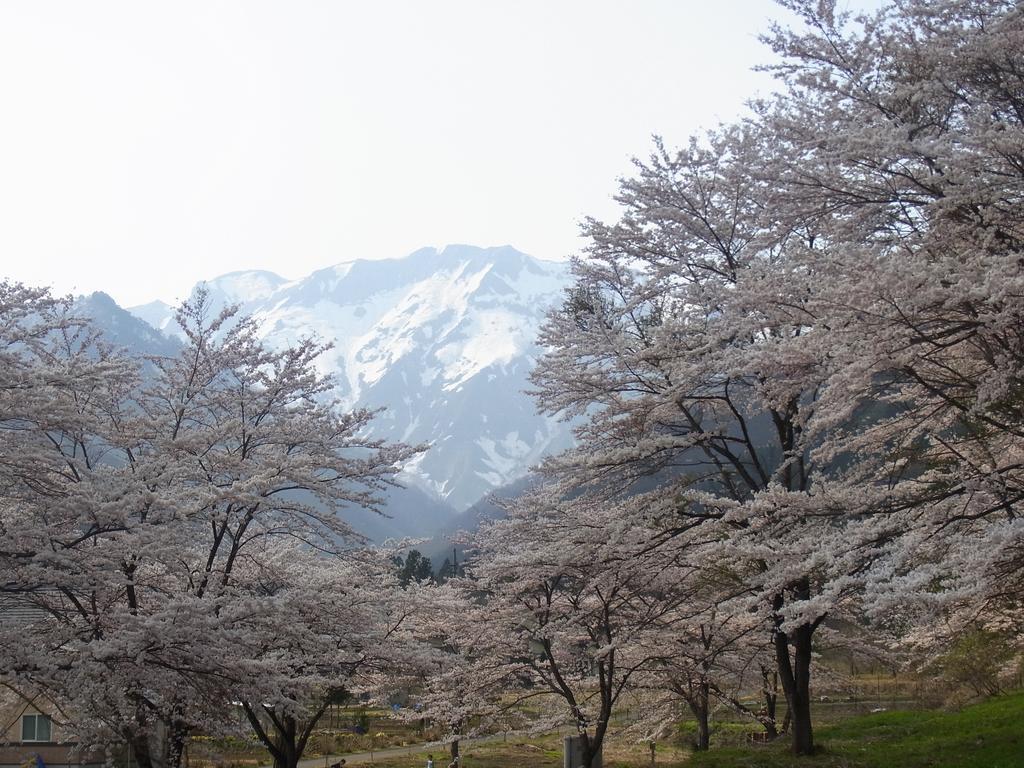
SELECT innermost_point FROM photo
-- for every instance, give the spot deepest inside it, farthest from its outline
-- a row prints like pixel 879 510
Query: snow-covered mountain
pixel 443 339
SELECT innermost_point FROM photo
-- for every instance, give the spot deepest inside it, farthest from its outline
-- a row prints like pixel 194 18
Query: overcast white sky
pixel 144 146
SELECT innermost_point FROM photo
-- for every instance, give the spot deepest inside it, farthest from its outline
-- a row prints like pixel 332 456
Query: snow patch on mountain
pixel 247 286
pixel 156 314
pixel 445 340
pixel 495 337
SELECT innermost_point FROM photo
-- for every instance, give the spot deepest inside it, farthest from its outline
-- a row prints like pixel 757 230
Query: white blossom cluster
pixel 169 536
pixel 795 368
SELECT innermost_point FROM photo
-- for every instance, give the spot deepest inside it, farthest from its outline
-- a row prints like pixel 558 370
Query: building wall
pixel 58 752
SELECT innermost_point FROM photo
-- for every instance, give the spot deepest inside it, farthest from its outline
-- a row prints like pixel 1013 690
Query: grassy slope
pixel 987 735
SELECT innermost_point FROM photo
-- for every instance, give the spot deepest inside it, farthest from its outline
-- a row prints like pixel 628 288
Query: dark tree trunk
pixel 161 746
pixel 699 703
pixel 800 706
pixel 286 756
pixel 142 752
pixel 702 692
pixel 455 752
pixel 771 699
pixel 592 746
pixel 703 731
pixel 795 674
pixel 284 739
pixel 147 735
pixel 177 738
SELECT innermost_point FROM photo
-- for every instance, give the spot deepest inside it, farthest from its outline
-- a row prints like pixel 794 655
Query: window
pixel 35 728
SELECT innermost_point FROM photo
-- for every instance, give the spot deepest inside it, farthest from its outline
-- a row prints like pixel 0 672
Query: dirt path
pixel 441 755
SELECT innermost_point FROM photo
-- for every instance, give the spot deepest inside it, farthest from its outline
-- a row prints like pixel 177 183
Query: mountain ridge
pixel 443 340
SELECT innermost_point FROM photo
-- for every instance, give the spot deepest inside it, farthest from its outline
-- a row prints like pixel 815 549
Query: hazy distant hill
pixel 446 538
pixel 123 328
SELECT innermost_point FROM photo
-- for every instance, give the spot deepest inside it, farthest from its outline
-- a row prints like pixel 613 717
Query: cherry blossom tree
pixel 555 601
pixel 703 655
pixel 691 345
pixel 319 627
pixel 909 125
pixel 897 149
pixel 57 385
pixel 174 497
pixel 805 327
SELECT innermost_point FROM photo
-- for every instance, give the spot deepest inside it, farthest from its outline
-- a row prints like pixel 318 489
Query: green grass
pixel 539 752
pixel 987 735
